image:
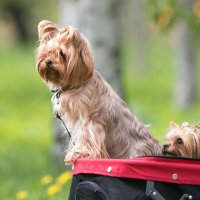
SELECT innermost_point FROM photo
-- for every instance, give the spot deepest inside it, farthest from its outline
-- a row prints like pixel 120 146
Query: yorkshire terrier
pixel 101 124
pixel 183 141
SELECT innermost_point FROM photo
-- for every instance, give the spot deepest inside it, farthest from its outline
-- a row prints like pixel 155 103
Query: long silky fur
pixel 190 148
pixel 101 124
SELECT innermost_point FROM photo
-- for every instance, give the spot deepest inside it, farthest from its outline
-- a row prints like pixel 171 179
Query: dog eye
pixel 62 55
pixel 179 141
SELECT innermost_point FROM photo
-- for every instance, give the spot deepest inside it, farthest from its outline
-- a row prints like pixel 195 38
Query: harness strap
pixel 58 115
pixel 60 118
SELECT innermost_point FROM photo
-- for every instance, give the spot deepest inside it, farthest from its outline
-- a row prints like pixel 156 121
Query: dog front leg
pixel 88 142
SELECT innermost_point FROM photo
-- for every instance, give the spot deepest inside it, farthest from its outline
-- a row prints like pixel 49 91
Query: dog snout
pixel 165 146
pixel 48 62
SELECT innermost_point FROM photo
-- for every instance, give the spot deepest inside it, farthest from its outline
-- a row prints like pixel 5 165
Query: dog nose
pixel 48 62
pixel 165 146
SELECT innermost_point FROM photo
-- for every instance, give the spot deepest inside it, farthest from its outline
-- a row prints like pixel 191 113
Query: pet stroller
pixel 157 178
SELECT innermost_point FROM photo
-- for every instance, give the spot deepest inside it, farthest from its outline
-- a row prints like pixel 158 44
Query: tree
pixel 183 17
pixel 185 69
pixel 24 15
pixel 185 62
pixel 19 13
pixel 99 22
pixel 135 31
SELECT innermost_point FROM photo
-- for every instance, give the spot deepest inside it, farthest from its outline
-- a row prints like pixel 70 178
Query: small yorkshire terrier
pixel 101 124
pixel 183 141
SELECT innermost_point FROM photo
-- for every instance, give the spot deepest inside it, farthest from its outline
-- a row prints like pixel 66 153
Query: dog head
pixel 182 141
pixel 63 56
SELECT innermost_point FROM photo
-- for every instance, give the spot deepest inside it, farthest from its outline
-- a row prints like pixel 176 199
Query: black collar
pixel 59 91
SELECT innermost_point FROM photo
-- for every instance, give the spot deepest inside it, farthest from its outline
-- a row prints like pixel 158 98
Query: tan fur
pixel 101 124
pixel 190 137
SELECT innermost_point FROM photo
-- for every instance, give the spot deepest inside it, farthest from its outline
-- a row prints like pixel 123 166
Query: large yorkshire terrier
pixel 101 124
pixel 183 141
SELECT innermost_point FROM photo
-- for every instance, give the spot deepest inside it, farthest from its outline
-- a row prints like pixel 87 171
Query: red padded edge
pixel 146 168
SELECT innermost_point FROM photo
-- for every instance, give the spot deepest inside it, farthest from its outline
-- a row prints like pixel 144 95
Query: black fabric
pixel 115 188
pixel 88 190
pixel 126 189
pixel 175 191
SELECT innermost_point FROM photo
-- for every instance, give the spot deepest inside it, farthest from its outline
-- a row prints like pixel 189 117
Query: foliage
pixel 166 13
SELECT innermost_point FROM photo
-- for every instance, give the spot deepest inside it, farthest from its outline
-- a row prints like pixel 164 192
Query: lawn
pixel 26 116
pixel 26 128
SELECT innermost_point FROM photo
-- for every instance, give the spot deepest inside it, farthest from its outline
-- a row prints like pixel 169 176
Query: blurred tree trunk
pixel 99 22
pixel 136 31
pixel 185 92
pixel 60 140
pixel 185 67
pixel 19 14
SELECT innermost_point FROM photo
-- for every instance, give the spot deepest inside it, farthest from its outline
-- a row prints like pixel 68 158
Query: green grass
pixel 26 127
pixel 150 93
pixel 26 114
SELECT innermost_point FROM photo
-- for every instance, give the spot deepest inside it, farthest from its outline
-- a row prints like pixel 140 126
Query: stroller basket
pixel 158 178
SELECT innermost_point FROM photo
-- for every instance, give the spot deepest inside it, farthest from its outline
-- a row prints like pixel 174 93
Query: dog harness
pixel 57 94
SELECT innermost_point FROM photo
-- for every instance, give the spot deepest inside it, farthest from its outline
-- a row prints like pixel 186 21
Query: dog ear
pixel 185 124
pixel 66 35
pixel 197 140
pixel 197 127
pixel 80 43
pixel 80 65
pixel 84 60
pixel 46 30
pixel 86 56
pixel 172 126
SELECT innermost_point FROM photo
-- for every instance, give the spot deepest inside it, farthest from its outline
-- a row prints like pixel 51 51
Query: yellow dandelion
pixel 196 8
pixel 64 178
pixel 165 17
pixel 46 180
pixel 53 189
pixel 21 195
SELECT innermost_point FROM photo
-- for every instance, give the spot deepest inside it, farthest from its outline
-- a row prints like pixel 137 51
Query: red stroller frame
pixel 158 178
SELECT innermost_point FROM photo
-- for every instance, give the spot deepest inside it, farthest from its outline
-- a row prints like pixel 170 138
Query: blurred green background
pixel 158 64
